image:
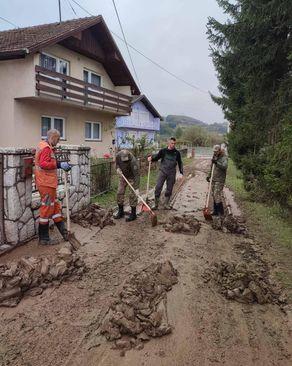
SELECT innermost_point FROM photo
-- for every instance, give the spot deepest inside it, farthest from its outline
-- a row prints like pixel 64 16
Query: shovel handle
pixel 148 178
pixel 133 189
pixel 67 202
pixel 210 184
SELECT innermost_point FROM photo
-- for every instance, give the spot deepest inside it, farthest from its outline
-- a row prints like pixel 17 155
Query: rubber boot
pixel 133 215
pixel 44 237
pixel 63 231
pixel 215 209
pixel 156 204
pixel 120 213
pixel 166 203
pixel 221 209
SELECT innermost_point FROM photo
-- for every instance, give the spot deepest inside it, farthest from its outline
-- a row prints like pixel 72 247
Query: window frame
pixel 53 126
pixel 92 72
pixel 91 131
pixel 57 63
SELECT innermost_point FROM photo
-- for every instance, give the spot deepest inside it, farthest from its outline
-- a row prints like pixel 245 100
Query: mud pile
pixel 229 224
pixel 93 215
pixel 140 312
pixel 30 275
pixel 244 283
pixel 185 224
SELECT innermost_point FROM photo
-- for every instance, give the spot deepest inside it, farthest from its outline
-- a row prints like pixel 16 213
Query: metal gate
pixel 2 233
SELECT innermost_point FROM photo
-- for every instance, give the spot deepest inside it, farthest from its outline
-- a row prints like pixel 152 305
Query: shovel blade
pixel 75 243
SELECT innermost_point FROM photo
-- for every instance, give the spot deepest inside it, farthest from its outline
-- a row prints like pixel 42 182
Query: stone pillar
pixel 79 192
pixel 18 217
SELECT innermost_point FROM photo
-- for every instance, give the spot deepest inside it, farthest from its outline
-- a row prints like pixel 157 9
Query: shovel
pixel 75 243
pixel 148 179
pixel 153 216
pixel 206 211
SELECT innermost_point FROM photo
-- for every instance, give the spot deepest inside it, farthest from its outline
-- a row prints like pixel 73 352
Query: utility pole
pixel 60 13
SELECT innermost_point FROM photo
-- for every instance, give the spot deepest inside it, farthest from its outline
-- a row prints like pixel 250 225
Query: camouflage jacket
pixel 220 169
pixel 129 167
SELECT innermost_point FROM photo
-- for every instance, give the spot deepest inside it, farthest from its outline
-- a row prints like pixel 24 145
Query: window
pixel 91 77
pixel 93 131
pixel 54 64
pixel 53 122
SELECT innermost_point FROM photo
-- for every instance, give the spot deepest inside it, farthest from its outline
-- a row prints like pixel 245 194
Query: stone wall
pixel 21 204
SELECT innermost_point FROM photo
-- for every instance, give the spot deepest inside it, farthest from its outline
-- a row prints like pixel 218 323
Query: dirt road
pixel 61 326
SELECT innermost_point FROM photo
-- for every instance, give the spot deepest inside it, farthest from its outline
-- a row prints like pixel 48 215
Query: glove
pixel 137 192
pixel 214 161
pixel 208 179
pixel 119 171
pixel 65 166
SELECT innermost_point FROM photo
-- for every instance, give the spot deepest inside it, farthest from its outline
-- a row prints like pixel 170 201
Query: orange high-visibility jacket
pixel 45 177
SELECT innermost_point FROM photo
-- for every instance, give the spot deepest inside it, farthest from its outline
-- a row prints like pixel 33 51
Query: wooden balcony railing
pixel 71 89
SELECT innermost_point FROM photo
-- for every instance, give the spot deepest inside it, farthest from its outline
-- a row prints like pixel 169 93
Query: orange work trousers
pixel 50 206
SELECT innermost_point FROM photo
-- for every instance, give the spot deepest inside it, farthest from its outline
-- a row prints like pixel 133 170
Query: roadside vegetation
pixel 271 223
pixel 252 53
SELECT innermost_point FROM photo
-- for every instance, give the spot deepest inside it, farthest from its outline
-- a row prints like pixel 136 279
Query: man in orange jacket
pixel 47 181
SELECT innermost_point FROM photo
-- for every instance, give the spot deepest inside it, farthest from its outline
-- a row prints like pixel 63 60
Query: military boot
pixel 221 209
pixel 156 204
pixel 44 237
pixel 215 210
pixel 133 215
pixel 167 203
pixel 120 213
pixel 63 231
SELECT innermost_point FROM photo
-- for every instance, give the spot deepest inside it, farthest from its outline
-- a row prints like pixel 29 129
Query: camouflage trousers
pixel 217 191
pixel 133 200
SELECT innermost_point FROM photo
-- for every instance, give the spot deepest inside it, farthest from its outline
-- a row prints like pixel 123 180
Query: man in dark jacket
pixel 170 158
pixel 127 164
pixel 220 162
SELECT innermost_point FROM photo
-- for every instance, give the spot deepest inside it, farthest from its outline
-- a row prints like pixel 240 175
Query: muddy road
pixel 62 325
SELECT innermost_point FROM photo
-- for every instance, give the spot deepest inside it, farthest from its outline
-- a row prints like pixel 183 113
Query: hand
pixel 149 158
pixel 137 192
pixel 119 171
pixel 180 176
pixel 214 161
pixel 65 166
pixel 208 179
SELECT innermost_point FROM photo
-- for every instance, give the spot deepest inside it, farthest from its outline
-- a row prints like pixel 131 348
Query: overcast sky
pixel 171 32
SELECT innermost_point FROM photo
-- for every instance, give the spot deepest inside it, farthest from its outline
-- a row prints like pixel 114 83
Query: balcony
pixel 135 122
pixel 73 91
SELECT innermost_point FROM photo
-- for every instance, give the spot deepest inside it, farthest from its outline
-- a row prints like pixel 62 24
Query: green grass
pixel 108 199
pixel 268 222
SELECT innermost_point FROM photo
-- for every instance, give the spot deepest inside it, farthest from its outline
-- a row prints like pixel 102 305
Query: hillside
pixel 170 123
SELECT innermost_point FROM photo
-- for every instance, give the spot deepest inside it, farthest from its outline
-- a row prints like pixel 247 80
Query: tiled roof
pixel 32 38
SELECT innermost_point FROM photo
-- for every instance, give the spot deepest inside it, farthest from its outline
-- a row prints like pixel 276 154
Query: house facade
pixel 143 120
pixel 70 76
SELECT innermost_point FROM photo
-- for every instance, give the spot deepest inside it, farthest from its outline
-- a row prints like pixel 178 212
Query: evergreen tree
pixel 252 55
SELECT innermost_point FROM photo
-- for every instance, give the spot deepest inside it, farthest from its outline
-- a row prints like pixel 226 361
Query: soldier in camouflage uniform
pixel 127 164
pixel 220 161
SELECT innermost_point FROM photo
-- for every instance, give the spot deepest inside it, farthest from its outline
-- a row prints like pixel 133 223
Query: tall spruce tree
pixel 252 53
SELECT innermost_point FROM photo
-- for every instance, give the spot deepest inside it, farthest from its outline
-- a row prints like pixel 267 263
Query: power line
pixel 122 30
pixel 148 58
pixel 162 68
pixel 71 6
pixel 7 21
